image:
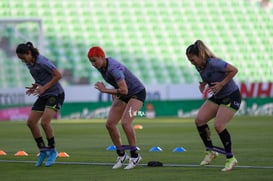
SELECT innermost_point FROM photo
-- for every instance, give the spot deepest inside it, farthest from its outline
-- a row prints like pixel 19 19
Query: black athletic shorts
pixel 53 102
pixel 233 100
pixel 139 96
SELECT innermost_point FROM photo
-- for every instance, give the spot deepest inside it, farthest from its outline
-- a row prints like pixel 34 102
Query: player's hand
pixel 31 90
pixel 216 87
pixel 39 90
pixel 202 86
pixel 100 86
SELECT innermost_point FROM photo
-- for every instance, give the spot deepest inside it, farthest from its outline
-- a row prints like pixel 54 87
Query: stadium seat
pixel 150 37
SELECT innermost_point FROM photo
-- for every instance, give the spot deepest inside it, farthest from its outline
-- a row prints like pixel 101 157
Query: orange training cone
pixel 21 153
pixel 2 152
pixel 138 126
pixel 63 154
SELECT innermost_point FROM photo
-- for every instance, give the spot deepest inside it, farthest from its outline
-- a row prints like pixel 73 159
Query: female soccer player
pixel 223 103
pixel 50 99
pixel 128 97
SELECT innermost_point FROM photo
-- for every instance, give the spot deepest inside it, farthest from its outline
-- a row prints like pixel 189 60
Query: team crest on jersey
pixel 226 100
pixel 52 100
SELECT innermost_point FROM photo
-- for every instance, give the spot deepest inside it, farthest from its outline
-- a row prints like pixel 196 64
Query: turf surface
pixel 86 142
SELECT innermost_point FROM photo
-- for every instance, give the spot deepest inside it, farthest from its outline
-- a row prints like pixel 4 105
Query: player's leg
pixel 113 119
pixel 32 123
pixel 53 105
pixel 46 118
pixel 226 112
pixel 132 108
pixel 46 125
pixel 131 111
pixel 207 112
pixel 223 117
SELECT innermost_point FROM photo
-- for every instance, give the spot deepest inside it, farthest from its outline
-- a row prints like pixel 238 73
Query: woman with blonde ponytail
pixel 225 100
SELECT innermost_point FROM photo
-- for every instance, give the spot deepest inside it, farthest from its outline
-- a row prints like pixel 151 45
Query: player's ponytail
pixel 204 51
pixel 24 48
pixel 29 44
pixel 201 50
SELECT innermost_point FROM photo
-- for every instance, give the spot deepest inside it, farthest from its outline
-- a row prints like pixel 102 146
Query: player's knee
pixel 44 124
pixel 109 125
pixel 199 122
pixel 30 124
pixel 125 124
pixel 219 127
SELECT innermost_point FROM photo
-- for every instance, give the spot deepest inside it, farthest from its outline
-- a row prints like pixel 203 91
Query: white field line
pixel 164 165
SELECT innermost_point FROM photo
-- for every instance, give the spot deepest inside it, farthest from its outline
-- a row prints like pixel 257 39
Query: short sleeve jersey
pixel 215 71
pixel 41 72
pixel 116 71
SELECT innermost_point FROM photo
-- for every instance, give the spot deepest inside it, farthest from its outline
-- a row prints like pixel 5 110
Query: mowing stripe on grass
pixel 165 165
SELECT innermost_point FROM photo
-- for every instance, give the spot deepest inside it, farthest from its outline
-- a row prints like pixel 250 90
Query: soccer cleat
pixel 230 163
pixel 120 161
pixel 133 162
pixel 210 155
pixel 41 158
pixel 53 154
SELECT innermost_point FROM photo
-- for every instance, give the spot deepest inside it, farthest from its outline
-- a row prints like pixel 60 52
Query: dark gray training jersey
pixel 116 71
pixel 41 72
pixel 215 71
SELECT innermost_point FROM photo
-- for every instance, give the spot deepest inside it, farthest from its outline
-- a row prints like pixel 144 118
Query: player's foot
pixel 133 162
pixel 41 158
pixel 120 161
pixel 53 154
pixel 210 155
pixel 230 163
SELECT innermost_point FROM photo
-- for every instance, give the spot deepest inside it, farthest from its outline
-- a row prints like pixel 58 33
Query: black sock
pixel 204 133
pixel 40 142
pixel 120 151
pixel 51 142
pixel 226 141
pixel 134 152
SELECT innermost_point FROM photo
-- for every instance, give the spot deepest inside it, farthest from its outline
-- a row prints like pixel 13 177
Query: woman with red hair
pixel 128 94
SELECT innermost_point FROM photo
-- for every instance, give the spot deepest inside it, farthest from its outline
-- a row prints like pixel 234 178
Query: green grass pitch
pixel 86 142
